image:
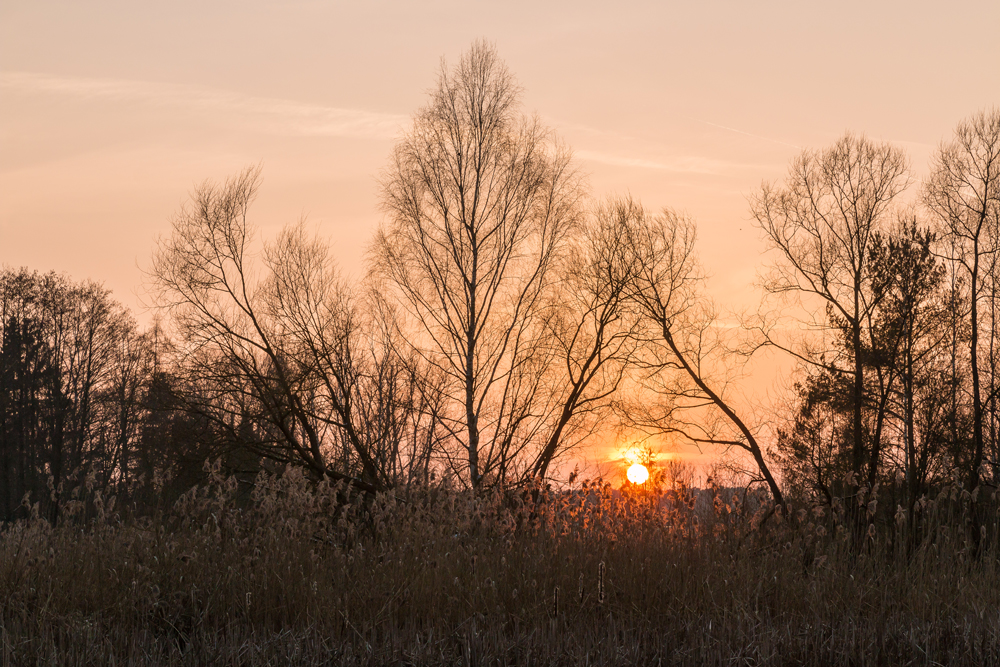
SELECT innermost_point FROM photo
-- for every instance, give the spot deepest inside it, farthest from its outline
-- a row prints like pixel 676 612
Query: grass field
pixel 291 574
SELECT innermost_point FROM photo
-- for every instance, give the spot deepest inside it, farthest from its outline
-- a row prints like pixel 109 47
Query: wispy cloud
pixel 683 164
pixel 261 113
pixel 748 134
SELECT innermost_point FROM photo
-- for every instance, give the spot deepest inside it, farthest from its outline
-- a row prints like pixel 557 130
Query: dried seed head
pixel 600 583
pixel 900 515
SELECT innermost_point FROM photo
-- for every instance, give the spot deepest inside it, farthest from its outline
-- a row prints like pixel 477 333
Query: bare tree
pixel 313 321
pixel 593 325
pixel 963 191
pixel 479 203
pixel 366 391
pixel 823 222
pixel 274 353
pixel 681 336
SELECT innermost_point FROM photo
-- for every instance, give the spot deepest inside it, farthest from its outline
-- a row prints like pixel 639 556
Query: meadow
pixel 285 570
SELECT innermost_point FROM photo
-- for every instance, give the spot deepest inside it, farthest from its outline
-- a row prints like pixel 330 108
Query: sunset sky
pixel 110 112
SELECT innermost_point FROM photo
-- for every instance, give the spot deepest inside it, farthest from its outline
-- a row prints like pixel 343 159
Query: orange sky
pixel 111 111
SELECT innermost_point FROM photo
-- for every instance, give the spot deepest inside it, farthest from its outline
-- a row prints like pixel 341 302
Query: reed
pixel 306 573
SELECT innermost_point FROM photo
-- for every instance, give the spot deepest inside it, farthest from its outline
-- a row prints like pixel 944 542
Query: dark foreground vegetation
pixel 290 572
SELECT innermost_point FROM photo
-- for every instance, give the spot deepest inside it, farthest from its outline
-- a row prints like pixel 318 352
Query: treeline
pixel 87 399
pixel 507 315
pixel 72 365
pixel 899 349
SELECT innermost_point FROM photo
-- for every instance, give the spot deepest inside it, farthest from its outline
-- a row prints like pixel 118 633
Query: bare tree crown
pixel 479 203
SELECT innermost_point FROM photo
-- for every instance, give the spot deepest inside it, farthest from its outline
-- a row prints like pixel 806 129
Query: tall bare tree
pixel 963 191
pixel 822 222
pixel 479 202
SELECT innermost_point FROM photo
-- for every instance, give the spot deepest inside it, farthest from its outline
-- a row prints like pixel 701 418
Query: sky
pixel 111 112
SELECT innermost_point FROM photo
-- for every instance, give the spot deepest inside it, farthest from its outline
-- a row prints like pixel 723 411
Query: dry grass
pixel 294 576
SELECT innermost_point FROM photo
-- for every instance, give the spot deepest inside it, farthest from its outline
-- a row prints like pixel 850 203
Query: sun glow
pixel 632 455
pixel 637 473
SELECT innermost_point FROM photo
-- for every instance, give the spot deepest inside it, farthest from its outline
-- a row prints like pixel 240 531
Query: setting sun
pixel 637 473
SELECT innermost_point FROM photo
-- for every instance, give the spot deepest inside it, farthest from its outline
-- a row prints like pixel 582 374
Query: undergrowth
pixel 299 572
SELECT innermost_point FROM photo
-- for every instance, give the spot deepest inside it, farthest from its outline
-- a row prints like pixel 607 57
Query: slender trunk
pixel 876 452
pixel 549 451
pixel 471 416
pixel 6 392
pixel 127 399
pixel 858 452
pixel 990 406
pixel 6 462
pixel 908 417
pixel 570 406
pixel 58 437
pixel 856 513
pixel 83 423
pixel 954 358
pixel 977 405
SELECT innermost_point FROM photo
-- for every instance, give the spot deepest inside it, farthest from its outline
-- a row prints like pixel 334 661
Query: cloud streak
pixel 748 134
pixel 683 164
pixel 275 116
